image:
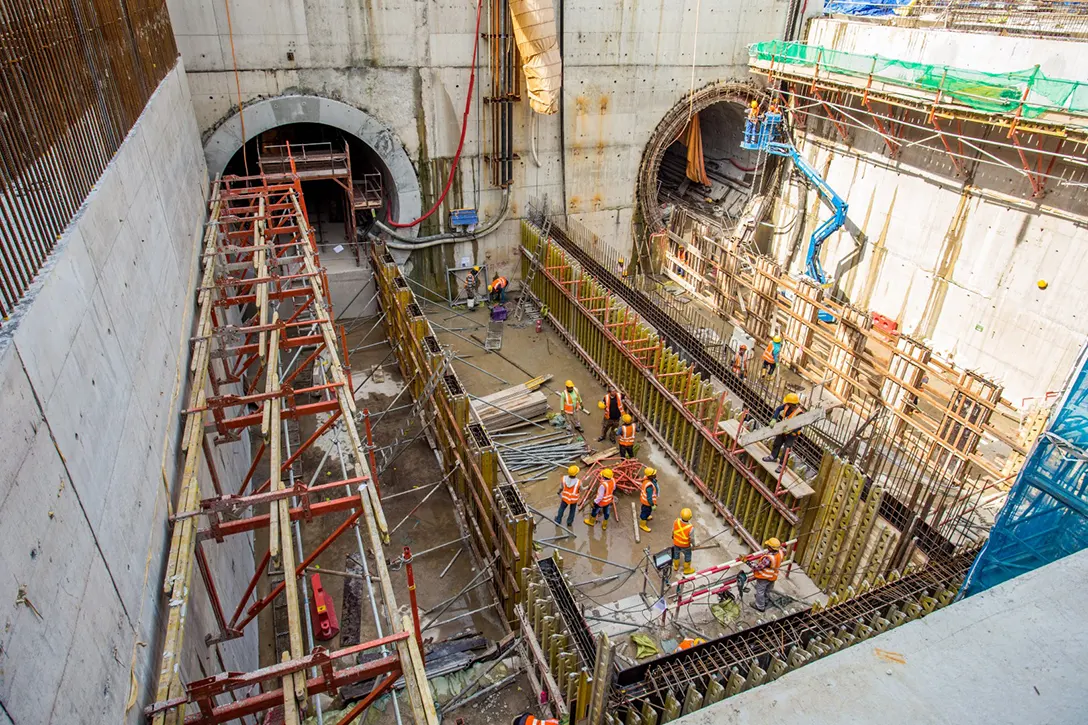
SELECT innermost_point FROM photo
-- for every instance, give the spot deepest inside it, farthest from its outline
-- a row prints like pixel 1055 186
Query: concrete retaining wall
pixel 953 262
pixel 92 375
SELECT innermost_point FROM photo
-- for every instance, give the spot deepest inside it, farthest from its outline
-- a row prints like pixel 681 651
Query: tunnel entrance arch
pixel 399 175
pixel 721 107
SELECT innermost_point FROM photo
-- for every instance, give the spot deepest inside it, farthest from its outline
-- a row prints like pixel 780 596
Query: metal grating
pixel 413 310
pixel 576 624
pixel 513 499
pixel 453 385
pixel 400 282
pixel 483 440
pixel 432 345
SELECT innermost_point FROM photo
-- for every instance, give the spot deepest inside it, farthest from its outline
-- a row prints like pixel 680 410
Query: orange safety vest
pixel 795 411
pixel 738 362
pixel 770 571
pixel 626 435
pixel 537 721
pixel 571 492
pixel 499 283
pixel 608 403
pixel 687 643
pixel 681 534
pixel 568 399
pixel 647 483
pixel 768 353
pixel 605 498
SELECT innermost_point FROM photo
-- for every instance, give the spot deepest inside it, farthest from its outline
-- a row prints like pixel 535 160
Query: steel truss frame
pixel 265 321
pixel 964 135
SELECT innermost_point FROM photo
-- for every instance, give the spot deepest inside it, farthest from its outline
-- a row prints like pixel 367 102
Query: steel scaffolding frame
pixel 260 262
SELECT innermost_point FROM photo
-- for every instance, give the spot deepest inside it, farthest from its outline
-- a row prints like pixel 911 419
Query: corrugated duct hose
pixel 535 33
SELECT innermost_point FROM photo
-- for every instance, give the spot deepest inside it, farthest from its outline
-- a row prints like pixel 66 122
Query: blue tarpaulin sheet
pixel 863 7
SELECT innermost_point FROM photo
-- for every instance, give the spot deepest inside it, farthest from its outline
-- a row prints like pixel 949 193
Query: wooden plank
pixel 784 426
pixel 793 483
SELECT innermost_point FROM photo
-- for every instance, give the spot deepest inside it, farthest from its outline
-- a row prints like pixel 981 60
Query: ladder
pixel 524 301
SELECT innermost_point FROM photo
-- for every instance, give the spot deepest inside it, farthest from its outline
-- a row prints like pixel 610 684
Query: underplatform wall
pixel 406 64
pixel 953 262
pixel 90 371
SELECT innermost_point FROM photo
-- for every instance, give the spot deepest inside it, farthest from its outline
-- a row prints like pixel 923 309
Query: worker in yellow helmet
pixel 569 494
pixel 783 442
pixel 497 289
pixel 771 354
pixel 648 497
pixel 683 540
pixel 572 403
pixel 606 489
pixel 751 124
pixel 625 436
pixel 472 282
pixel 765 568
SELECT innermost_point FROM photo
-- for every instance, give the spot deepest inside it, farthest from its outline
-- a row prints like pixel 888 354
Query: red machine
pixel 326 625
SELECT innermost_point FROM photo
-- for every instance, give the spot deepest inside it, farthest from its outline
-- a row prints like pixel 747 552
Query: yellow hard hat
pixel 754 104
pixel 607 473
pixel 489 288
pixel 772 543
pixel 573 471
pixel 777 338
pixel 626 418
pixel 699 641
pixel 791 398
pixel 685 514
pixel 1042 284
pixel 476 268
pixel 569 383
pixel 649 471
pixel 600 404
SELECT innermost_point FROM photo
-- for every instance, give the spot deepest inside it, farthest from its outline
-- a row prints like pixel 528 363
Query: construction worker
pixel 606 489
pixel 771 354
pixel 740 363
pixel 683 540
pixel 612 405
pixel 751 124
pixel 765 571
pixel 472 283
pixel 569 494
pixel 689 642
pixel 572 403
pixel 528 719
pixel 625 436
pixel 783 442
pixel 497 289
pixel 648 497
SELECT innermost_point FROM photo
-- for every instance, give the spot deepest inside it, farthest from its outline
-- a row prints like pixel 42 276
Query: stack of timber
pixel 513 405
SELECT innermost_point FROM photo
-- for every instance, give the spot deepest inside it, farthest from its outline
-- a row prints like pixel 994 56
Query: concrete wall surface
pixel 955 259
pixel 92 378
pixel 407 64
pixel 1013 654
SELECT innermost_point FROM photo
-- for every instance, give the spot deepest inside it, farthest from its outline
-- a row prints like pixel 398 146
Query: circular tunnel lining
pixel 732 171
pixel 370 142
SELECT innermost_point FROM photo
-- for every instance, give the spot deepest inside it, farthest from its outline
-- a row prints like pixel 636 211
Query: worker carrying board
pixel 765 568
pixel 683 540
pixel 571 400
pixel 648 495
pixel 569 493
pixel 783 442
pixel 625 436
pixel 612 405
pixel 602 500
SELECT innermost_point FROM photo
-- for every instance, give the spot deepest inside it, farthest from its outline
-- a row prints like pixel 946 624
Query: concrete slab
pixel 1012 654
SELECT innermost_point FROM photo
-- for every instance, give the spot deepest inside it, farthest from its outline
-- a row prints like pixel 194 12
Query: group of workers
pixel 496 291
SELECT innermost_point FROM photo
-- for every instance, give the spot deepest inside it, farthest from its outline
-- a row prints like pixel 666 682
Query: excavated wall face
pixel 955 260
pixel 407 65
pixel 89 379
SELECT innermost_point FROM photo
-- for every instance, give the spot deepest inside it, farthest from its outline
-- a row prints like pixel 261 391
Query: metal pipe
pixel 461 616
pixel 398 241
pixel 588 556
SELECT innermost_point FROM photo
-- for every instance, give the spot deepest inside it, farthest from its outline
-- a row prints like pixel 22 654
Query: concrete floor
pixel 1013 654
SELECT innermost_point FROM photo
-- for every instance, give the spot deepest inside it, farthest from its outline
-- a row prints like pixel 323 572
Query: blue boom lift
pixel 764 137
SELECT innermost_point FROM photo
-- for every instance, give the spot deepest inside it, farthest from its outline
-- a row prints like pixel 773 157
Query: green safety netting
pixel 988 92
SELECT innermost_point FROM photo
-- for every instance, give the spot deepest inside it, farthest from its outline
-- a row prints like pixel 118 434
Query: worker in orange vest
pixel 683 539
pixel 612 405
pixel 648 497
pixel 771 354
pixel 606 489
pixel 740 363
pixel 783 442
pixel 472 283
pixel 569 493
pixel 572 403
pixel 625 437
pixel 689 642
pixel 765 571
pixel 497 289
pixel 751 124
pixel 527 719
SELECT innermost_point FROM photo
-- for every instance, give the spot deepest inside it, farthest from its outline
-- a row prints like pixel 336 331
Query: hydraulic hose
pixel 399 241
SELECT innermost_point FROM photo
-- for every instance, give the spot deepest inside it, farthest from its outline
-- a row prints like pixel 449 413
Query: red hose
pixel 464 127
